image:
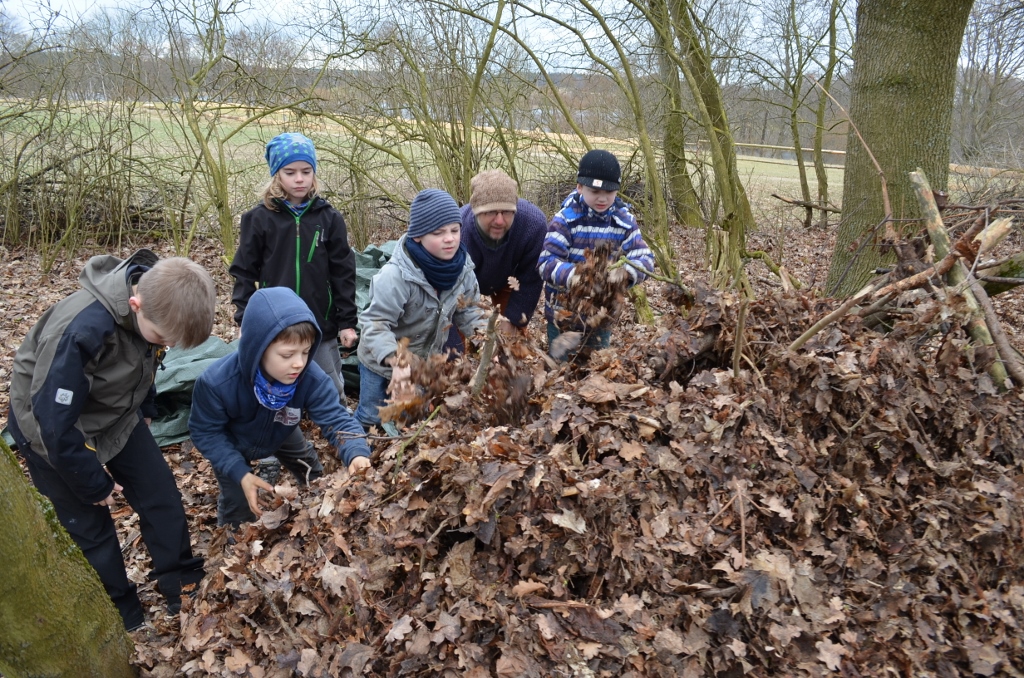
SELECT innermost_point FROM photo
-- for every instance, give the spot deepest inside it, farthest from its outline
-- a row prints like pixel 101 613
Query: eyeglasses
pixel 508 214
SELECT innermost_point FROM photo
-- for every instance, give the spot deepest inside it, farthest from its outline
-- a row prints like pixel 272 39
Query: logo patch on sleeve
pixel 64 396
pixel 289 416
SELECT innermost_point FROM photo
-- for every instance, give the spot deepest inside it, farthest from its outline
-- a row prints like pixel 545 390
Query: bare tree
pixel 987 119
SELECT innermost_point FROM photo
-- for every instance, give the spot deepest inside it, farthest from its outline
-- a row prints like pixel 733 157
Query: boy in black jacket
pixel 81 398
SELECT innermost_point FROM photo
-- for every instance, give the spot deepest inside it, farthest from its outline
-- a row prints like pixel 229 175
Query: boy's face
pixel 296 179
pixel 283 361
pixel 149 331
pixel 596 199
pixel 442 243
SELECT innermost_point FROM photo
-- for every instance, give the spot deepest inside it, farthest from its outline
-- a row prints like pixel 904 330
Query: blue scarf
pixel 442 275
pixel 271 394
pixel 296 210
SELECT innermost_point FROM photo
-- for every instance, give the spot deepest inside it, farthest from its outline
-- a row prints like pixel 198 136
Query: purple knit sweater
pixel 515 256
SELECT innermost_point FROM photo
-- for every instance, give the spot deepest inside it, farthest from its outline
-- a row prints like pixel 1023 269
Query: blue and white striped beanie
pixel 284 149
pixel 431 209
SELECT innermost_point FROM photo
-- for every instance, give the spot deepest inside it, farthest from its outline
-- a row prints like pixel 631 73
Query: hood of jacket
pixel 270 310
pixel 105 278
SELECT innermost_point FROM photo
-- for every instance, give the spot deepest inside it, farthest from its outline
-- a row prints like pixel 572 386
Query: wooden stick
pixel 828 319
pixel 1012 364
pixel 976 325
pixel 486 354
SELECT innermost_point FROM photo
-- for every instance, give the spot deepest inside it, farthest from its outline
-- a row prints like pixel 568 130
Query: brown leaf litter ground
pixel 854 507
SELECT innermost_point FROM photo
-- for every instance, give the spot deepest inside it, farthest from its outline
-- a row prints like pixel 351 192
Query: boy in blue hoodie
pixel 247 405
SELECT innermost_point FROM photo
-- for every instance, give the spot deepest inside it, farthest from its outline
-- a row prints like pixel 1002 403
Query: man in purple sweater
pixel 504 235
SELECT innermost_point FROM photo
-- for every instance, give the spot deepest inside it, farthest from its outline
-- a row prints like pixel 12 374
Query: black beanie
pixel 599 169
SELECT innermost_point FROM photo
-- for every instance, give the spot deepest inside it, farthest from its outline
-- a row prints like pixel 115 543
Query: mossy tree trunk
pixel 685 201
pixel 725 250
pixel 819 128
pixel 55 617
pixel 904 73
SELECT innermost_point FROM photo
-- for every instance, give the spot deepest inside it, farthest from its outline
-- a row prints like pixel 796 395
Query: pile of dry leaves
pixel 668 507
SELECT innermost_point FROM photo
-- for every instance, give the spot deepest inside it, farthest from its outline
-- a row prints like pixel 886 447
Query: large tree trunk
pixel 904 72
pixel 55 617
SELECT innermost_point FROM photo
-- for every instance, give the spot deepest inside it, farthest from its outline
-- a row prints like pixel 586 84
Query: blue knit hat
pixel 431 209
pixel 284 149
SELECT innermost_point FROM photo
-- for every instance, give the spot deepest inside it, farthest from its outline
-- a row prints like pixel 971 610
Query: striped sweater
pixel 577 228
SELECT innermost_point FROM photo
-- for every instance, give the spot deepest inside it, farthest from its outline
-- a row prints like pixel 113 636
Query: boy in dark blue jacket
pixel 247 405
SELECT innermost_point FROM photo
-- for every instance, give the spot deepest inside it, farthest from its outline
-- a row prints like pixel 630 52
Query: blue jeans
pixel 596 340
pixel 296 455
pixel 373 391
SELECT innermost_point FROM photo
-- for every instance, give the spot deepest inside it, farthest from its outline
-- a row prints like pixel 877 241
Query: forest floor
pixel 854 506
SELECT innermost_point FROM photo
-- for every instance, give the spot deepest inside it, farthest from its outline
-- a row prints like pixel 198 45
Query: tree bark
pixel 685 202
pixel 727 264
pixel 55 617
pixel 904 73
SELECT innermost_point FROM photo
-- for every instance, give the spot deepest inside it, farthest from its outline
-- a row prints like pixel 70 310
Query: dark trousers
pixel 596 340
pixel 295 454
pixel 150 489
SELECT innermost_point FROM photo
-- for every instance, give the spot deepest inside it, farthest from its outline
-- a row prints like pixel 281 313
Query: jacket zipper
pixel 298 247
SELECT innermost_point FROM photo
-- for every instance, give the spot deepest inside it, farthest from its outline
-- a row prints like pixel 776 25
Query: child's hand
pixel 109 501
pixel 401 387
pixel 619 275
pixel 359 465
pixel 348 337
pixel 251 484
pixel 572 280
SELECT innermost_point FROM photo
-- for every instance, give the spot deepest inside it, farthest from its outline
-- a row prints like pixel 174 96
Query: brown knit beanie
pixel 493 191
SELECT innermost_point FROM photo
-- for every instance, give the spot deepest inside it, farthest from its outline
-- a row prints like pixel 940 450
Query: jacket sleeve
pixel 342 265
pixel 57 403
pixel 638 255
pixel 523 302
pixel 388 296
pixel 336 423
pixel 553 262
pixel 468 316
pixel 208 428
pixel 247 266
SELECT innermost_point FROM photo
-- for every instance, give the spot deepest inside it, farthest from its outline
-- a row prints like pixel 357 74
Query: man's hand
pixel 109 501
pixel 359 465
pixel 251 484
pixel 348 337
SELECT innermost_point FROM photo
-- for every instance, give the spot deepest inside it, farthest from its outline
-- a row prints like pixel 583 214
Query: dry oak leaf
pixel 569 520
pixel 524 588
pixel 631 451
pixel 400 629
pixel 238 662
pixel 335 578
pixel 830 653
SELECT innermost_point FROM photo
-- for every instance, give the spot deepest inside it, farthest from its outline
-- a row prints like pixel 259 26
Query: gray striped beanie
pixel 431 209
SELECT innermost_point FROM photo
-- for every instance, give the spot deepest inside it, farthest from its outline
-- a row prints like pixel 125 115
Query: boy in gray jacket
pixel 427 284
